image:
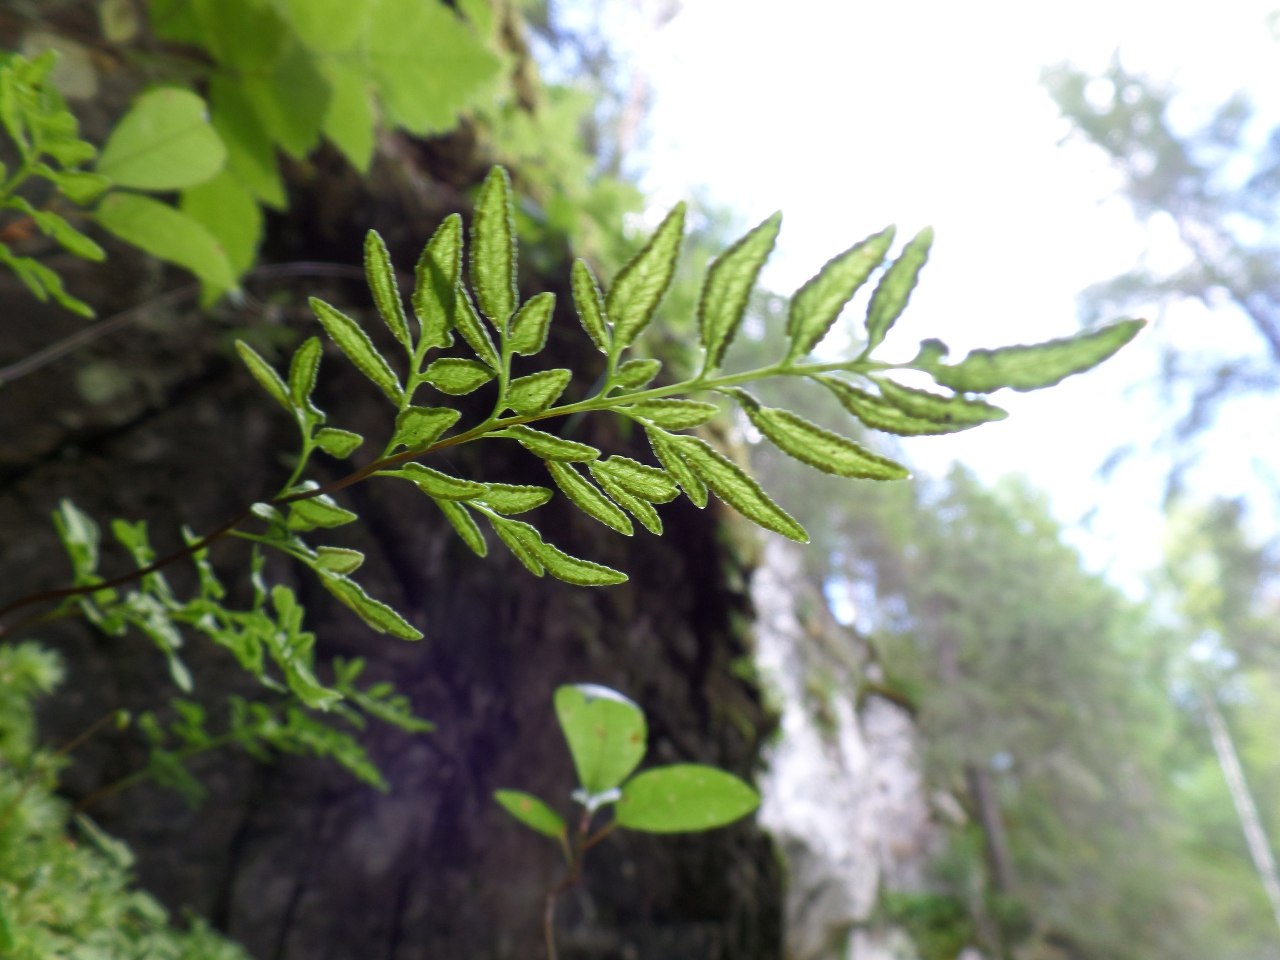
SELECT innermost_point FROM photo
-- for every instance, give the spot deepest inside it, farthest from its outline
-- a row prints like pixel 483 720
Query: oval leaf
pixel 320 511
pixel 534 393
pixel 338 443
pixel 303 370
pixel 606 733
pixel 467 322
pixel 894 289
pixel 728 286
pixel 640 285
pixel 455 376
pixel 386 291
pixel 638 507
pixel 355 343
pixel 339 559
pixel 419 427
pixel 164 142
pixel 683 798
pixel 634 374
pixel 640 479
pixel 530 325
pixel 1033 366
pixel 493 249
pixel 732 485
pixel 532 812
pixel 816 305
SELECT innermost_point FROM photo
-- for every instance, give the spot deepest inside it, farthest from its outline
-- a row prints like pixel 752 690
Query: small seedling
pixel 607 737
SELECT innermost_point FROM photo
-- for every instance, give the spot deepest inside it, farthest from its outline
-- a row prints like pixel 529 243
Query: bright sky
pixel 849 115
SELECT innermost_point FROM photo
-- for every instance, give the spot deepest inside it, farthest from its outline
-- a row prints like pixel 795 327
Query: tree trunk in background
pixel 296 859
pixel 1250 822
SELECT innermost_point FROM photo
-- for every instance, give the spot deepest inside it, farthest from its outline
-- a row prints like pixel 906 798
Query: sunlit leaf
pixel 339 559
pixel 160 230
pixel 728 287
pixel 590 305
pixel 373 612
pixel 674 464
pixel 436 279
pixel 493 249
pixel 534 393
pixel 683 798
pixel 455 376
pixel 265 374
pixel 303 370
pixel 816 446
pixel 816 305
pixel 355 343
pixel 588 498
pixel 640 479
pixel 894 289
pixel 386 291
pixel 606 733
pixel 530 325
pixel 419 427
pixel 467 322
pixel 1033 366
pixel 637 506
pixel 575 570
pixel 635 374
pixel 732 485
pixel 548 446
pixel 338 443
pixel 673 414
pixel 435 484
pixel 641 284
pixel 465 526
pixel 908 412
pixel 164 142
pixel 316 512
pixel 511 498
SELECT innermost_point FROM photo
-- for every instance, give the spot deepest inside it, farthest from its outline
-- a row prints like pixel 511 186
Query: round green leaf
pixel 684 798
pixel 606 734
pixel 165 142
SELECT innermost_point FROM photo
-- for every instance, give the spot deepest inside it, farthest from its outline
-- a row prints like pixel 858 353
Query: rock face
pixel 843 796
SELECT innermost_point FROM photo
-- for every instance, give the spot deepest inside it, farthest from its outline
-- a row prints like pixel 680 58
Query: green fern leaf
pixel 493 249
pixel 1033 366
pixel 339 559
pixel 355 343
pixel 640 285
pixel 464 525
pixel 588 498
pixel 437 485
pixel 908 412
pixel 590 305
pixel 436 280
pixel 320 511
pixel 548 446
pixel 518 538
pixel 732 485
pixel 894 289
pixel 338 443
pixel 510 498
pixel 386 291
pixel 455 376
pixel 640 479
pixel 303 370
pixel 816 305
pixel 818 447
pixel 530 324
pixel 373 612
pixel 467 322
pixel 265 374
pixel 635 374
pixel 673 414
pixel 674 464
pixel 419 427
pixel 638 507
pixel 728 287
pixel 534 393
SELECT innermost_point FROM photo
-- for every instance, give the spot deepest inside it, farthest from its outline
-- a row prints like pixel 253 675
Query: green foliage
pixel 65 886
pixel 939 924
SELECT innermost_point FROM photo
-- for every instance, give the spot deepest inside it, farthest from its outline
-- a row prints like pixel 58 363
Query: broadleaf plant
pixel 495 326
pixel 607 736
